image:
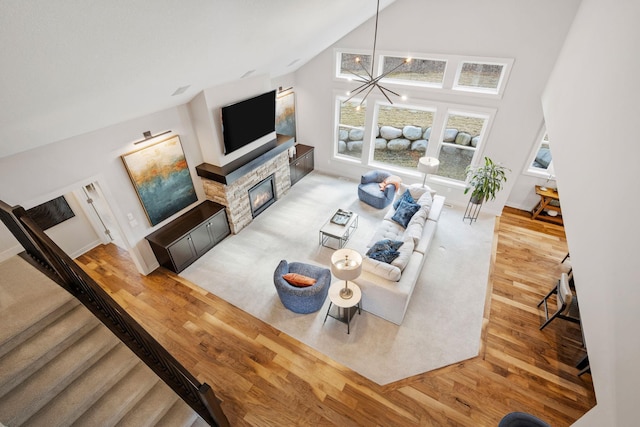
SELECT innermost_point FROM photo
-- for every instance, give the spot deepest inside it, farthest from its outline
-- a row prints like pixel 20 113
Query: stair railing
pixel 52 260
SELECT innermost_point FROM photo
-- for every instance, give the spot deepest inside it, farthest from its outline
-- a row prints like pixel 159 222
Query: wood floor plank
pixel 267 378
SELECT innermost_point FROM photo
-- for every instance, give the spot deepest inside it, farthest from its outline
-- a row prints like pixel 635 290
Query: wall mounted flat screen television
pixel 247 120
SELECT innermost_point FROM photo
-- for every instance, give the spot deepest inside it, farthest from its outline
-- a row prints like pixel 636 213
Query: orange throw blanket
pixel 393 180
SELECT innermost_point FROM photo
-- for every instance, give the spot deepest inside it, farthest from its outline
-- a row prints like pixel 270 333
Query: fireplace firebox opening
pixel 262 195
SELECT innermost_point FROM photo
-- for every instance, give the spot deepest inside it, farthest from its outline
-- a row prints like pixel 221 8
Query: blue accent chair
pixel 369 189
pixel 302 300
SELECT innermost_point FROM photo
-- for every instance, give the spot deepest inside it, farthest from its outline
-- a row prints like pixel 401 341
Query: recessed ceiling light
pixel 181 90
pixel 248 73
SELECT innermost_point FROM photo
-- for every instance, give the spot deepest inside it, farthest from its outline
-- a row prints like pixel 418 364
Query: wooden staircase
pixel 59 366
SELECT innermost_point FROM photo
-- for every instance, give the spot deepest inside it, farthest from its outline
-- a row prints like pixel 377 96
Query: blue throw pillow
pixel 406 196
pixel 385 256
pixel 384 245
pixel 404 212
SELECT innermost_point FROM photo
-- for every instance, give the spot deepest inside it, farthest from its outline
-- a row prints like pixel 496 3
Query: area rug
pixel 444 319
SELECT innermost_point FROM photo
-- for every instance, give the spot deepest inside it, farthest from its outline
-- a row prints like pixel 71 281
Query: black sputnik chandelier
pixel 369 82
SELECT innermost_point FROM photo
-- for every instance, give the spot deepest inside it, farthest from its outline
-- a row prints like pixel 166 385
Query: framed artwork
pixel 160 175
pixel 286 113
pixel 51 213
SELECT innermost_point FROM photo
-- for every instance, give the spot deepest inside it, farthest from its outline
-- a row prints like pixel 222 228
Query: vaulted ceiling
pixel 70 67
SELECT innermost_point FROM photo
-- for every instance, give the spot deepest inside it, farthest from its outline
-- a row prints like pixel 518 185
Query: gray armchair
pixel 302 300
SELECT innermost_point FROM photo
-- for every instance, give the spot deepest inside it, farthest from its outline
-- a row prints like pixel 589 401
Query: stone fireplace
pixel 235 195
pixel 262 195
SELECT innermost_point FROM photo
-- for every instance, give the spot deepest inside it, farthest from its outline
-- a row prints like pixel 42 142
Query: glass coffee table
pixel 338 228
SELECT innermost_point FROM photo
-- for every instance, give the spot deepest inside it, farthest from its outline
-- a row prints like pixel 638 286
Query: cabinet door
pixel 219 226
pixel 297 170
pixel 201 238
pixel 182 253
pixel 308 162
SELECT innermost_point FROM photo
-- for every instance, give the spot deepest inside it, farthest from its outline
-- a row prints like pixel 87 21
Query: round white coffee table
pixel 346 307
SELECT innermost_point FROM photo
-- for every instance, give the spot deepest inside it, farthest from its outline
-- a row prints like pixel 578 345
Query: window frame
pixel 338 100
pixel 414 83
pixel 453 68
pixel 529 169
pixel 441 112
pixel 337 57
pixel 504 76
pixel 381 102
pixel 463 110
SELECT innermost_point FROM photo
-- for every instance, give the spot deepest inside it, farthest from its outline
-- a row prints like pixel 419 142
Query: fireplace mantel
pixel 233 171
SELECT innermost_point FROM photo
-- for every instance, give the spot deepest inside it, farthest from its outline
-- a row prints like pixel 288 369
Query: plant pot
pixel 477 200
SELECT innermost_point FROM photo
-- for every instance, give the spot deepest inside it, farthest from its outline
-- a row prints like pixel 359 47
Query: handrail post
pixel 210 400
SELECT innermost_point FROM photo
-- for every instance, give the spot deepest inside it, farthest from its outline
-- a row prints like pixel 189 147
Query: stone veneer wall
pixel 236 195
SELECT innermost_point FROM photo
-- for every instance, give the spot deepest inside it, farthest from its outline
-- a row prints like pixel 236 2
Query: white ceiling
pixel 72 66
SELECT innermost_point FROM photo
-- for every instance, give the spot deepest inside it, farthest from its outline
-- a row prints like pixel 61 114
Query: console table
pixel 185 239
pixel 549 200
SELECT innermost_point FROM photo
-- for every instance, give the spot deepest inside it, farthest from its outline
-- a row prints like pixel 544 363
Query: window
pixel 351 122
pixel 447 125
pixel 460 140
pixel 352 65
pixel 400 135
pixel 540 160
pixel 543 156
pixel 479 77
pixel 428 72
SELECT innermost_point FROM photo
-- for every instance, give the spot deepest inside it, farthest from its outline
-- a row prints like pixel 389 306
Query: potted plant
pixel 485 181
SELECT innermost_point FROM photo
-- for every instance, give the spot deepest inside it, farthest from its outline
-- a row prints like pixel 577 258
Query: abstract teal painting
pixel 161 178
pixel 286 113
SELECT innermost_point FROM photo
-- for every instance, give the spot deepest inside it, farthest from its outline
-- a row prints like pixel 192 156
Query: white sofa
pixel 387 288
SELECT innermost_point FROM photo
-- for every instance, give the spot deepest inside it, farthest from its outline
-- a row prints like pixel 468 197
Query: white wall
pixel 530 32
pixel 61 167
pixel 75 236
pixel 42 174
pixel 591 107
pixel 205 110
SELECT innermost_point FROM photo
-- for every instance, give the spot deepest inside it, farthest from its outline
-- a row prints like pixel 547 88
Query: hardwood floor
pixel 266 378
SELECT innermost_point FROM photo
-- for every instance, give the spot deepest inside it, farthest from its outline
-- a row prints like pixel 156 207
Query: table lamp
pixel 346 264
pixel 428 166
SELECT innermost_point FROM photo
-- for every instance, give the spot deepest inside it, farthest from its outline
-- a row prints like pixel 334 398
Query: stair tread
pixel 121 397
pixel 22 361
pixel 199 422
pixel 153 406
pixel 60 366
pixel 53 378
pixel 27 296
pixel 75 399
pixel 180 414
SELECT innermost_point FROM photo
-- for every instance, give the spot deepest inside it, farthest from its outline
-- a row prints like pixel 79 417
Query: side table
pixel 346 308
pixel 549 200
